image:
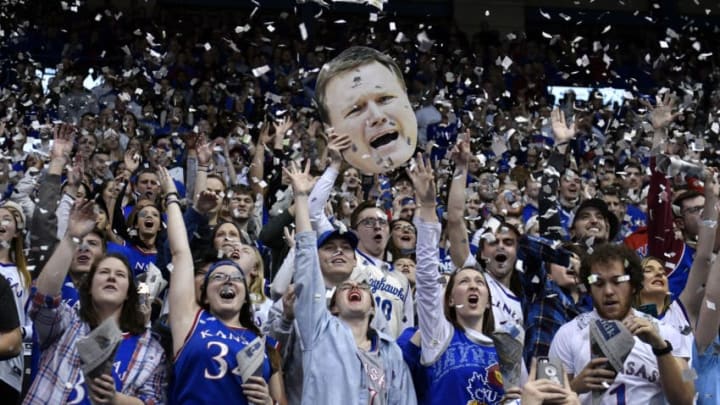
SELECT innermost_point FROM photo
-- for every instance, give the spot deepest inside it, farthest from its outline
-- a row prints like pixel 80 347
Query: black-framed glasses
pixel 373 222
pixel 224 278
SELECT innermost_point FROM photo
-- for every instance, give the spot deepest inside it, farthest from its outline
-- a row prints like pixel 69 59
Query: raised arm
pixel 52 276
pixel 435 330
pixel 324 186
pixel 310 305
pixel 459 244
pixel 183 306
pixel 257 167
pixel 708 319
pixel 702 262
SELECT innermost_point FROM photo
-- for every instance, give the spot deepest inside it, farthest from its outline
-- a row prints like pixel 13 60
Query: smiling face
pixel 109 286
pixel 225 291
pixel 371 105
pixel 240 206
pixel 337 260
pixel 655 282
pixel 351 179
pixel 590 222
pixel 570 186
pixel 469 295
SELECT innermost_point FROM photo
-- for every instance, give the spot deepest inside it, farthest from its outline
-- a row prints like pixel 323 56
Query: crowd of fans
pixel 171 171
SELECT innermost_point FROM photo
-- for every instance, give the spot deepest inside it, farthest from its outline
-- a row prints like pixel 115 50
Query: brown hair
pixel 131 319
pixel 488 325
pixel 349 59
pixel 608 253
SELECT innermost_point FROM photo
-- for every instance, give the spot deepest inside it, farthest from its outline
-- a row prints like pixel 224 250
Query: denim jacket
pixel 333 370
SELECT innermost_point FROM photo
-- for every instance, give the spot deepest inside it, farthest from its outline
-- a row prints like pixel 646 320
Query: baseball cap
pixel 349 236
pixel 601 206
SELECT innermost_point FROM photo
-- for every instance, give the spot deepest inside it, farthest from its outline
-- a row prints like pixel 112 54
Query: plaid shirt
pixel 549 307
pixel 59 328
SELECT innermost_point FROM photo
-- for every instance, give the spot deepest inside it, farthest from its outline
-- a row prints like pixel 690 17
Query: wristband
pixel 661 352
pixel 168 202
pixel 172 193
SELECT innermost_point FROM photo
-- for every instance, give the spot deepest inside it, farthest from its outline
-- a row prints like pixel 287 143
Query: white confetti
pixel 606 29
pixel 303 31
pixel 711 305
pixel 260 71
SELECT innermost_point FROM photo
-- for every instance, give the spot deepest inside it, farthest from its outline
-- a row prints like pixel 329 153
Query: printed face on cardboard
pixel 371 105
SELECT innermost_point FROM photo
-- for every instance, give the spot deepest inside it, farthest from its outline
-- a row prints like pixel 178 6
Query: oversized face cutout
pixel 370 104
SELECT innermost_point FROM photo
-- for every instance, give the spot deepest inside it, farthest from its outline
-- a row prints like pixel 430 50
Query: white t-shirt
pixel 391 291
pixel 639 382
pixel 11 369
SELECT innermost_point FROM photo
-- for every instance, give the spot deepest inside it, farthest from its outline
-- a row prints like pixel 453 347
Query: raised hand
pixel 206 201
pixel 166 181
pixel 265 136
pixel 423 179
pixel 63 139
pixel 302 181
pixel 561 131
pixel 281 131
pixel 204 152
pixel 661 114
pixel 283 126
pixel 337 144
pixel 132 160
pixel 460 154
pixel 76 174
pixel 82 218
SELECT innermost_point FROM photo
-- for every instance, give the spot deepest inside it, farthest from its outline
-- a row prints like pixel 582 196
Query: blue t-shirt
pixel 138 260
pixel 707 365
pixel 465 372
pixel 206 367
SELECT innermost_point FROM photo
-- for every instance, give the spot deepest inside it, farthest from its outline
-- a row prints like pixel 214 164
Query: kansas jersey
pixel 138 259
pixel 123 358
pixel 638 382
pixel 206 366
pixel 391 291
pixel 466 373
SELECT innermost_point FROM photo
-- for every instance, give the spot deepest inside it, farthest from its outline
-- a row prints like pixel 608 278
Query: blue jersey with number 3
pixel 206 368
pixel 123 357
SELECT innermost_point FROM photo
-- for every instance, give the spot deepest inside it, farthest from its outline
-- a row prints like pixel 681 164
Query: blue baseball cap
pixel 349 236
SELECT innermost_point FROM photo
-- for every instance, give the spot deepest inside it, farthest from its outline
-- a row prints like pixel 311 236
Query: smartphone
pixel 549 370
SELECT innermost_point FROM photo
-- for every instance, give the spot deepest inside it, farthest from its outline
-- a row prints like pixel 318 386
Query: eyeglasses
pixel 349 286
pixel 373 222
pixel 403 228
pixel 224 278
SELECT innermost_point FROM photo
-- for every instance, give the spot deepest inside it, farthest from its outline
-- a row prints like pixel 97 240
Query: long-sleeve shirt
pixel 59 328
pixel 460 366
pixel 331 361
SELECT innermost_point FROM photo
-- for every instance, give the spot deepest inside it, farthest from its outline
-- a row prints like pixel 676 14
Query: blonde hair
pixel 257 285
pixel 17 250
